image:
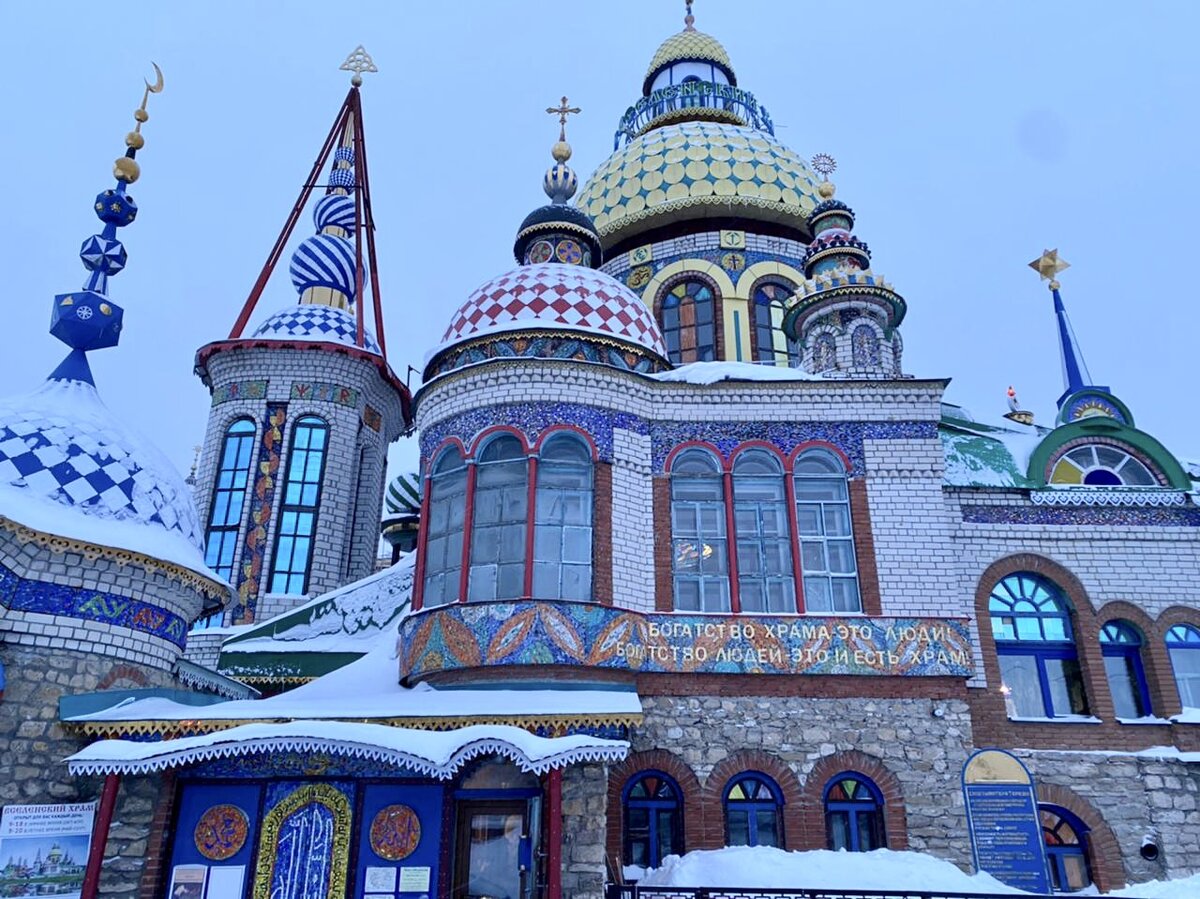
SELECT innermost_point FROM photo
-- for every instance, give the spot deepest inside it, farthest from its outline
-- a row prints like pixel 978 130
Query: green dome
pixel 696 170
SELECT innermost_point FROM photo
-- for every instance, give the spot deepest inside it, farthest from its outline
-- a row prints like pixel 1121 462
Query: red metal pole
pixel 464 580
pixel 290 224
pixel 554 838
pixel 104 816
pixel 369 222
pixel 530 520
pixel 359 299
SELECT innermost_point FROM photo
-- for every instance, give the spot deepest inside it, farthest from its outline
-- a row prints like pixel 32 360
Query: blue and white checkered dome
pixel 336 210
pixel 68 468
pixel 306 321
pixel 324 261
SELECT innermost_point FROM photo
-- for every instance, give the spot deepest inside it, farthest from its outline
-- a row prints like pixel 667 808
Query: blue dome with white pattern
pixel 324 261
pixel 335 210
pixel 68 468
pixel 306 321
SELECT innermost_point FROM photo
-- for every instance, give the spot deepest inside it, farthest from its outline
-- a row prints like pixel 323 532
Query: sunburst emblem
pixel 824 164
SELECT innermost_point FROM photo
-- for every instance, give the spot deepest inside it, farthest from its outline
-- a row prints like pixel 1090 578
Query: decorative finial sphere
pixel 561 151
pixel 826 189
pixel 125 169
pixel 134 140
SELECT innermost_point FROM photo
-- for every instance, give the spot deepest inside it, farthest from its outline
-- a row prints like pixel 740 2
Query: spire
pixel 88 319
pixel 560 181
pixel 689 20
pixel 1075 371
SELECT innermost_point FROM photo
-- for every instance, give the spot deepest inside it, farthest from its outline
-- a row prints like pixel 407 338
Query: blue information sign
pixel 1002 816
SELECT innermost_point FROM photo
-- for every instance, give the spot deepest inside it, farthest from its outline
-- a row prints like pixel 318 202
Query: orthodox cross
pixel 562 111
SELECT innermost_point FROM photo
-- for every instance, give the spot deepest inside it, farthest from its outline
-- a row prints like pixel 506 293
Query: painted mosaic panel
pixel 395 832
pixel 546 346
pixel 221 832
pixel 249 580
pixel 1088 515
pixel 470 635
pixel 325 393
pixel 305 844
pixel 24 595
pixel 240 390
pixel 296 765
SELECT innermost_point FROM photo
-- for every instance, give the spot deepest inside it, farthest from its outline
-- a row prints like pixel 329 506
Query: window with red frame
pixel 443 528
pixel 499 501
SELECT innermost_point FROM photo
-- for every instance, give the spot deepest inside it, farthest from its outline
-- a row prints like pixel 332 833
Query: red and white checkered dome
pixel 563 297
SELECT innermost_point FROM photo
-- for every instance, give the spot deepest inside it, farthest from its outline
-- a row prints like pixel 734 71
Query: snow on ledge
pixel 437 754
pixel 712 372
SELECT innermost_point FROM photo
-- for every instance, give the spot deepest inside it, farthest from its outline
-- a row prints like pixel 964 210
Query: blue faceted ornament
pixel 115 207
pixel 344 154
pixel 86 320
pixel 103 254
pixel 341 178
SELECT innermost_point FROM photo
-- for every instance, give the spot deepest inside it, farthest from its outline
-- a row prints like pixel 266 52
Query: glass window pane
pixel 817 595
pixel 1186 664
pixel 738 825
pixel 1123 684
pixel 767 828
pixel 841 556
pixel 1022 687
pixel 577 582
pixel 545 580
pixel 577 544
pixel 808 518
pixel 1066 686
pixel 845 594
pixel 839 830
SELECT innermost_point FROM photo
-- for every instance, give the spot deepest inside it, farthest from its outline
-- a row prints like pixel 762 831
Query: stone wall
pixel 584 795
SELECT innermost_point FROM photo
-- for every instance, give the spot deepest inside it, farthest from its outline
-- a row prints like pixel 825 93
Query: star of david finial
pixel 562 111
pixel 358 62
pixel 1048 265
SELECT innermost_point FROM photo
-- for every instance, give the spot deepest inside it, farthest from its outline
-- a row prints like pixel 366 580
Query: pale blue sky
pixel 969 136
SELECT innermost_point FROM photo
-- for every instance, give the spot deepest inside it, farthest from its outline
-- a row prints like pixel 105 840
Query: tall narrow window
pixel 1038 661
pixel 562 540
pixel 864 346
pixel 444 529
pixel 653 820
pixel 1065 837
pixel 771 342
pixel 301 502
pixel 228 499
pixel 752 804
pixel 1121 646
pixel 854 814
pixel 826 537
pixel 689 322
pixel 500 500
pixel 766 580
pixel 699 560
pixel 824 353
pixel 1183 645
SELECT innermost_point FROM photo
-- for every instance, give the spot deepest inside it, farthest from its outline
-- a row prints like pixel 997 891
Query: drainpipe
pixel 108 802
pixel 554 849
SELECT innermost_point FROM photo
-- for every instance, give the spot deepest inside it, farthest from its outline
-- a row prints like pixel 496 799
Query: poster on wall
pixel 187 882
pixel 44 849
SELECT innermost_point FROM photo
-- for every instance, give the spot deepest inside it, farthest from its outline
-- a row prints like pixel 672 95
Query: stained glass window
pixel 752 805
pixel 826 536
pixel 1121 647
pixel 854 814
pixel 699 560
pixel 444 528
pixel 1065 837
pixel 1183 646
pixel 766 580
pixel 1039 665
pixel 771 342
pixel 1101 466
pixel 500 499
pixel 689 322
pixel 653 819
pixel 296 533
pixel 562 540
pixel 864 346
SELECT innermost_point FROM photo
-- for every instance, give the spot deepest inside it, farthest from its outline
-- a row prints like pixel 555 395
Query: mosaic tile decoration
pixel 473 635
pixel 536 346
pixel 325 393
pixel 308 322
pixel 221 832
pixel 295 765
pixel 240 390
pixel 262 497
pixel 23 595
pixel 1171 517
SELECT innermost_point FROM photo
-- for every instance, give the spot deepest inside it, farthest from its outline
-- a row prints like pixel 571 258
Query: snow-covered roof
pixel 429 753
pixel 713 372
pixel 69 468
pixel 985 453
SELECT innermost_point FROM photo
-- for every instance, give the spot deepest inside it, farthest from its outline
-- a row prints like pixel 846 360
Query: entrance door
pixel 491 858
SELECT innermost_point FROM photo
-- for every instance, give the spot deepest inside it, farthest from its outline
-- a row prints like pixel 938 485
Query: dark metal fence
pixel 633 891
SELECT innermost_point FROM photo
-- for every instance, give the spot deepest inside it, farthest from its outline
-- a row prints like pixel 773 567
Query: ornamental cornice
pixel 1094 496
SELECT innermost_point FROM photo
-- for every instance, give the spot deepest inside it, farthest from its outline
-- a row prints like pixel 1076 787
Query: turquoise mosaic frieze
pixel 239 390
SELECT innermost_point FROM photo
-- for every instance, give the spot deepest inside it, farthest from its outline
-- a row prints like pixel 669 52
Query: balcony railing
pixel 734 102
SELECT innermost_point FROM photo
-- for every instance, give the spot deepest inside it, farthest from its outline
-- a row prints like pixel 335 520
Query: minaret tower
pixel 291 476
pixel 844 316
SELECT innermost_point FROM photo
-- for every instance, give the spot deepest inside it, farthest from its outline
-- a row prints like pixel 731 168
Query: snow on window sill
pixel 1187 716
pixel 1145 719
pixel 1057 719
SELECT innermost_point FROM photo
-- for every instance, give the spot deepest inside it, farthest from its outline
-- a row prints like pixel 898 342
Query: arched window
pixel 1101 466
pixel 228 497
pixel 752 804
pixel 699 554
pixel 689 322
pixel 826 536
pixel 771 342
pixel 1038 661
pixel 562 540
pixel 1121 646
pixel 444 528
pixel 1066 849
pixel 500 499
pixel 864 346
pixel 854 814
pixel 1183 646
pixel 301 501
pixel 824 352
pixel 766 579
pixel 653 819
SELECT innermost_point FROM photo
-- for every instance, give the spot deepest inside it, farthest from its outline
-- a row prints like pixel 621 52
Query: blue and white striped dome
pixel 68 468
pixel 404 495
pixel 336 210
pixel 306 321
pixel 324 261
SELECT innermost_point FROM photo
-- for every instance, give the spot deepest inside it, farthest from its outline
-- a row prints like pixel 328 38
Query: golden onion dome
pixel 689 45
pixel 696 170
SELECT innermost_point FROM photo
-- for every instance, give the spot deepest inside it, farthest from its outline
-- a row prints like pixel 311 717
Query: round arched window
pixel 1100 465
